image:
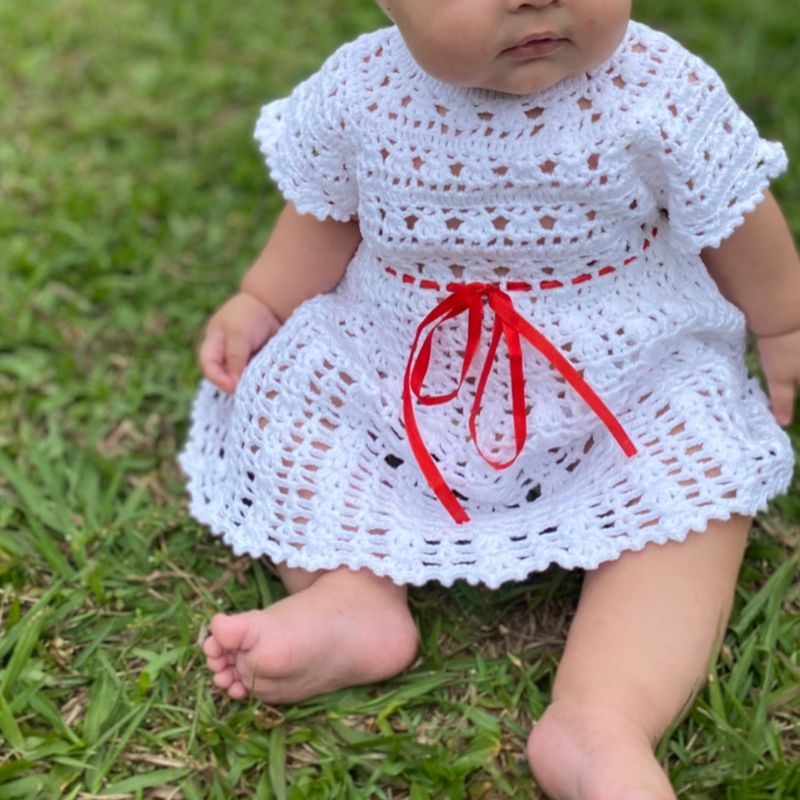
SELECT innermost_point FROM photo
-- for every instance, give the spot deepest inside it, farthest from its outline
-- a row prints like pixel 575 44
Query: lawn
pixel 131 199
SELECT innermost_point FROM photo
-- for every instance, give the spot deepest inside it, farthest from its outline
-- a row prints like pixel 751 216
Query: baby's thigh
pixel 699 572
pixel 648 623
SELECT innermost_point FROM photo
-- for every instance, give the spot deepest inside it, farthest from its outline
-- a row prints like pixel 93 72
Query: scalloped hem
pixel 419 575
pixel 775 163
pixel 267 135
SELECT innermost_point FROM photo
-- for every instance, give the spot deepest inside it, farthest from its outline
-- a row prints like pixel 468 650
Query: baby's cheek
pixel 447 65
pixel 458 59
pixel 604 26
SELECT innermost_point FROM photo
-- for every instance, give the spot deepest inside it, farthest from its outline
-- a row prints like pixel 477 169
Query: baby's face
pixel 509 45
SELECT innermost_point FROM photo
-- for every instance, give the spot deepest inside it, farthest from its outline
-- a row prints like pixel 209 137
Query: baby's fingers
pixel 781 397
pixel 237 354
pixel 780 358
pixel 213 361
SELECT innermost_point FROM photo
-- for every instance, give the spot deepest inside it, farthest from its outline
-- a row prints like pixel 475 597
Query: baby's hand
pixel 236 331
pixel 780 358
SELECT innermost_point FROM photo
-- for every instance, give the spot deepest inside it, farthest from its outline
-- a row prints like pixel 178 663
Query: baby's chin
pixel 519 80
pixel 520 87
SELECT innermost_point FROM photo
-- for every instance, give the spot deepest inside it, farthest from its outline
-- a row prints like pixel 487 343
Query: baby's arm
pixel 302 258
pixel 757 269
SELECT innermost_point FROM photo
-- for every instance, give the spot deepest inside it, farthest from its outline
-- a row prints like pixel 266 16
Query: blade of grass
pixel 49 550
pixel 102 630
pixel 28 630
pixel 36 503
pixel 11 636
pixel 776 585
pixel 26 788
pixel 263 788
pixel 45 708
pixel 103 700
pixel 136 717
pixel 146 780
pixel 264 592
pixel 9 727
pixel 741 671
pixel 277 761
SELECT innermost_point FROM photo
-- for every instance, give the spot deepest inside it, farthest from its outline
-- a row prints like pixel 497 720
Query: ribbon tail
pixel 517 388
pixel 449 308
pixel 428 466
pixel 416 370
pixel 479 389
pixel 570 374
pixel 517 391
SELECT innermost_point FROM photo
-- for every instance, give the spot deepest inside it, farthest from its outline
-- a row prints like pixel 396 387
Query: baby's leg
pixel 335 629
pixel 646 627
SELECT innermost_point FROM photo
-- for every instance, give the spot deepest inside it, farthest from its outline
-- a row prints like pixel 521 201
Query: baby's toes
pixel 231 631
pixel 258 677
pixel 218 664
pixel 225 678
pixel 212 648
pixel 237 691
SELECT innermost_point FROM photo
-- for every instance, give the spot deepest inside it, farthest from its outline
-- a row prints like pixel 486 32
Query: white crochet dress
pixel 586 205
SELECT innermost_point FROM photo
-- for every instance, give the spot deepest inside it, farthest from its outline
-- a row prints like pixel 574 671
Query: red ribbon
pixel 510 325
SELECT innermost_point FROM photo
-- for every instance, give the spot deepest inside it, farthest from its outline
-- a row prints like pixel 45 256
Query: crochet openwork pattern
pixel 589 203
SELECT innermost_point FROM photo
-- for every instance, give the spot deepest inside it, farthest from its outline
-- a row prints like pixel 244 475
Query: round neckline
pixel 475 95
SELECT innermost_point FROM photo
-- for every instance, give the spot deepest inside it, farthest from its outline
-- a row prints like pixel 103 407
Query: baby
pixel 500 324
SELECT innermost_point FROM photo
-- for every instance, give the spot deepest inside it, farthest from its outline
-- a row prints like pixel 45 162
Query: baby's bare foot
pixel 582 753
pixel 346 629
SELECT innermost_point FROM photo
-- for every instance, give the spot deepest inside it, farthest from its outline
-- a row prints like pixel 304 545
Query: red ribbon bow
pixel 509 324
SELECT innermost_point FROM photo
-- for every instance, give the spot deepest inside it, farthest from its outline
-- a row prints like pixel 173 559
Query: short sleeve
pixel 708 164
pixel 304 140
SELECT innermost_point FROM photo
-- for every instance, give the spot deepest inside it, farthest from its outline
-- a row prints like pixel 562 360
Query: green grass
pixel 131 198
